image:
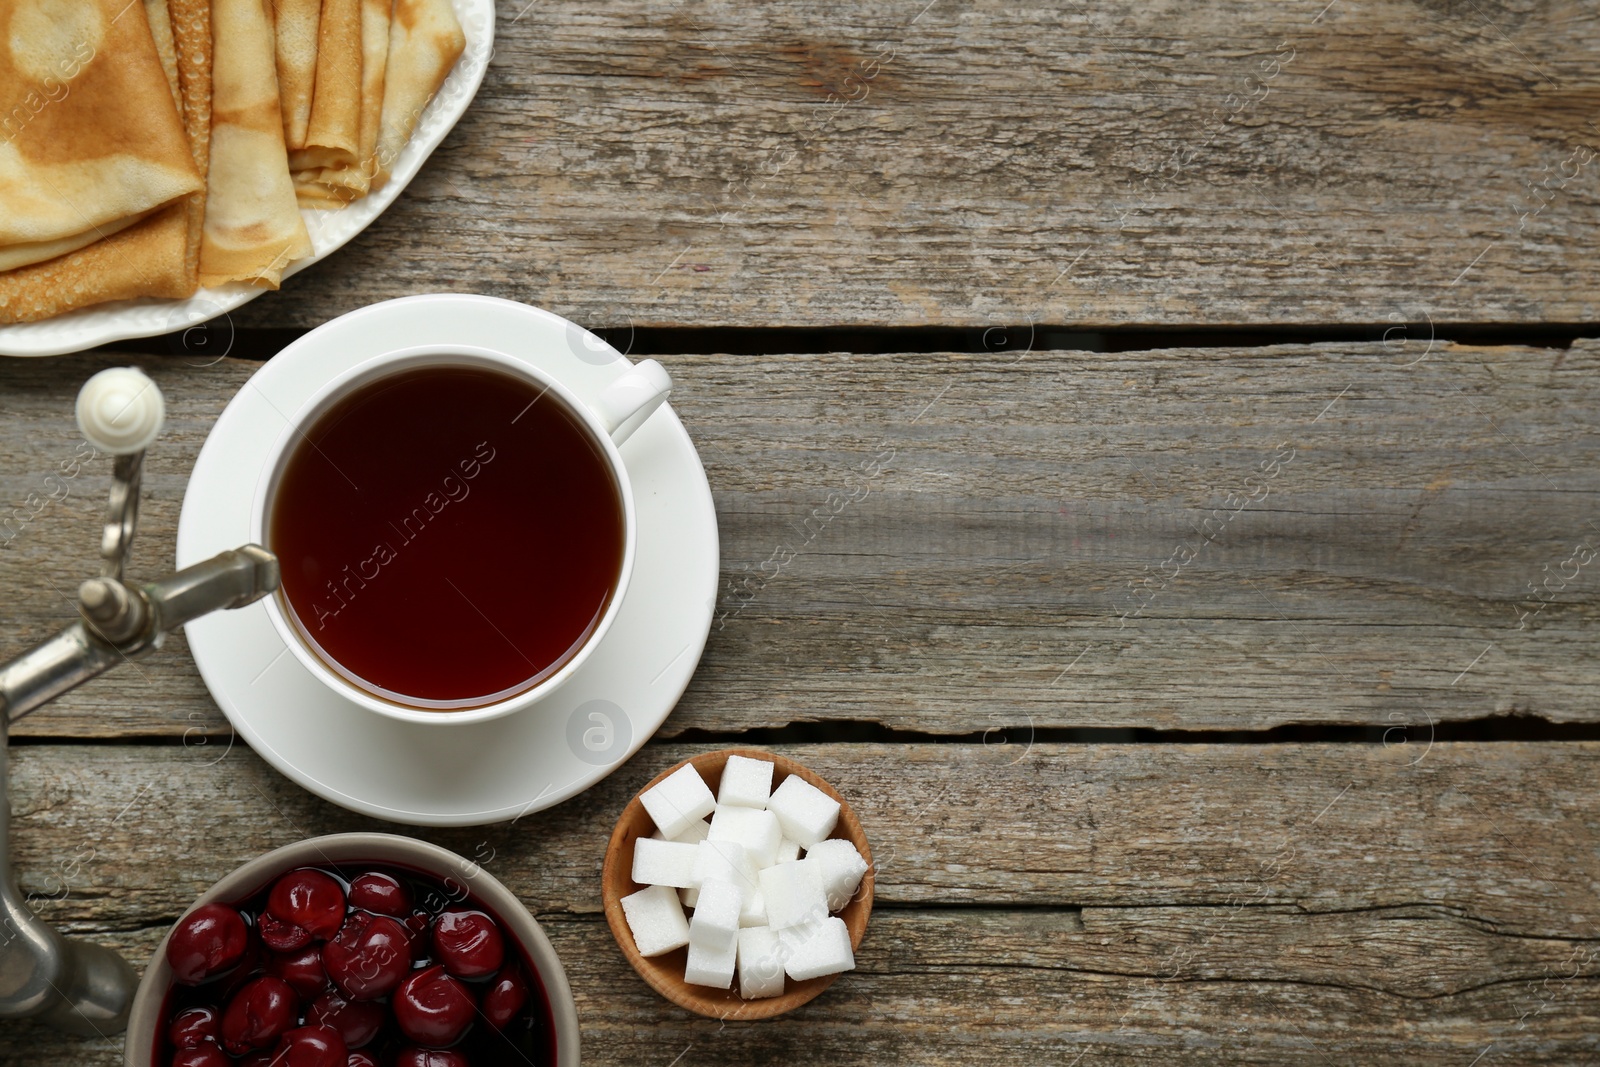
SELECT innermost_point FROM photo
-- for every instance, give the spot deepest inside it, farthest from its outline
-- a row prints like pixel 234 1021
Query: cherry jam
pixel 352 966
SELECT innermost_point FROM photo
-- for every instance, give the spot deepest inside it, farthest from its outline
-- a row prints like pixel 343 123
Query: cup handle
pixel 627 402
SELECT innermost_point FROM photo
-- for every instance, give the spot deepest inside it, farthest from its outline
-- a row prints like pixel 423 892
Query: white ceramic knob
pixel 120 410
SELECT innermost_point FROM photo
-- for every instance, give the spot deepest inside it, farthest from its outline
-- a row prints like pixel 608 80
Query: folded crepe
pixel 166 45
pixel 184 26
pixel 191 30
pixel 375 19
pixel 295 27
pixel 333 135
pixel 253 229
pixel 337 184
pixel 92 136
pixel 158 256
pixel 20 255
pixel 425 40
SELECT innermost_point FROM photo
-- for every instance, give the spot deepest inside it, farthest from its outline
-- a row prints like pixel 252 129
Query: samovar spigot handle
pixel 74 985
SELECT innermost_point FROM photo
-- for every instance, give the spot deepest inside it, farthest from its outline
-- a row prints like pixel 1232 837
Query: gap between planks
pixel 220 338
pixel 1505 729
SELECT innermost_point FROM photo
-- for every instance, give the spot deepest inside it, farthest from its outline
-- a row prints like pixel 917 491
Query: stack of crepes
pixel 146 149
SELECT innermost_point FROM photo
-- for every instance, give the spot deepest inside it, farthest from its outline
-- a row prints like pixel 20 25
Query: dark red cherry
pixel 258 1014
pixel 430 1057
pixel 207 942
pixel 360 1059
pixel 358 1023
pixel 507 996
pixel 303 970
pixel 281 936
pixel 369 956
pixel 433 1008
pixel 419 927
pixel 311 1046
pixel 193 1027
pixel 262 1058
pixel 201 1056
pixel 248 968
pixel 309 899
pixel 468 943
pixel 381 894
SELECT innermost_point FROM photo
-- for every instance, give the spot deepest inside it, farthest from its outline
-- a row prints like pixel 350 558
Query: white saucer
pixel 456 775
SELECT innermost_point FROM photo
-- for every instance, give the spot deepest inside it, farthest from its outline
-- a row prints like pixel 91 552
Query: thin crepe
pixel 253 229
pixel 166 47
pixel 92 135
pixel 312 191
pixel 295 28
pixel 334 134
pixel 21 255
pixel 330 186
pixel 191 31
pixel 425 40
pixel 158 257
pixel 136 262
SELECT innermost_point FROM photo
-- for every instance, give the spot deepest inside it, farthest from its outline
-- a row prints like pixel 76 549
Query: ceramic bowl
pixel 664 973
pixel 356 850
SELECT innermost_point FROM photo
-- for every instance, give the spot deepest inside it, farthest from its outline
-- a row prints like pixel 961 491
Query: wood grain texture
pixel 1248 161
pixel 1047 1003
pixel 956 543
pixel 1498 835
pixel 1254 904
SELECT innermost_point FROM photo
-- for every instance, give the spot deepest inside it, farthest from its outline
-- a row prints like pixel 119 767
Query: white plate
pixel 456 775
pixel 120 320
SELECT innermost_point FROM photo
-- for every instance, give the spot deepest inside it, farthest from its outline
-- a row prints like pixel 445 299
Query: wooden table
pixel 1219 700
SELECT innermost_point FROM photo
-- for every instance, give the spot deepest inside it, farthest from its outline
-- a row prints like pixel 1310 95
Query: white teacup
pixel 609 418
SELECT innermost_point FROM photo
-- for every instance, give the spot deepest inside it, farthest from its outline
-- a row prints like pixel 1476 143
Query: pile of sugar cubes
pixel 757 905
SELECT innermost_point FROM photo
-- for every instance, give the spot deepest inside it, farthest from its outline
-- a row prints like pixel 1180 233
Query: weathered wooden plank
pixel 1027 987
pixel 1254 904
pixel 1060 539
pixel 1499 837
pixel 910 1001
pixel 978 163
pixel 951 543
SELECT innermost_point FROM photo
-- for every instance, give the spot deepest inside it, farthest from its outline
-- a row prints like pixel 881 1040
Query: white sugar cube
pixel 793 893
pixel 664 863
pixel 745 782
pixel 655 918
pixel 826 951
pixel 792 939
pixel 716 917
pixel 760 963
pixel 841 867
pixel 806 813
pixel 756 830
pixel 724 861
pixel 678 800
pixel 753 909
pixel 711 966
pixel 695 834
pixel 690 896
pixel 787 850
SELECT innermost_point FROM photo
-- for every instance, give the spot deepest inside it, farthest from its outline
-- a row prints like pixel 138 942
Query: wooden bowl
pixel 665 972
